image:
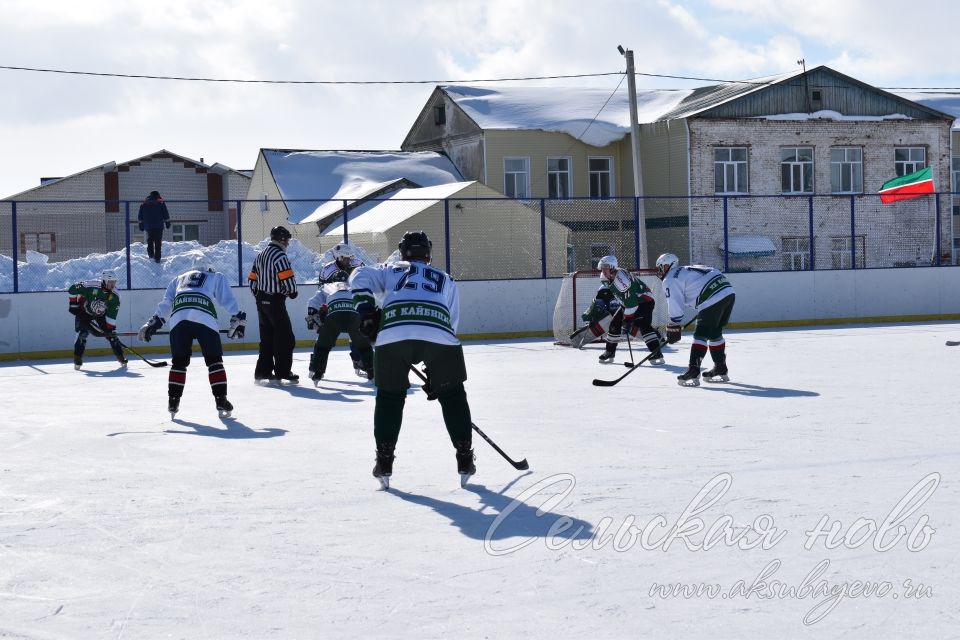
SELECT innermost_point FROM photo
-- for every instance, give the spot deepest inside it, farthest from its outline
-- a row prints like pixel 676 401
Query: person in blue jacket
pixel 152 218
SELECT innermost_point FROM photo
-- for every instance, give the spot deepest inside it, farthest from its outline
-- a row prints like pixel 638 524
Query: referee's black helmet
pixel 280 234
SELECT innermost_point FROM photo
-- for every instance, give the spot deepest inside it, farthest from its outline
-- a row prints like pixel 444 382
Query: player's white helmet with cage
pixel 109 278
pixel 665 262
pixel 343 250
pixel 608 262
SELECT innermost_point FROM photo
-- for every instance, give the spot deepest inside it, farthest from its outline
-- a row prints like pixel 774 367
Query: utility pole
pixel 644 261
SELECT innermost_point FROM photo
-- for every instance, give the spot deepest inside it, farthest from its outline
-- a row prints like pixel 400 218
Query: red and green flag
pixel 912 185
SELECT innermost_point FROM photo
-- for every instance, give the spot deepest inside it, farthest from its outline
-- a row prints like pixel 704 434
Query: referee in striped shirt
pixel 271 282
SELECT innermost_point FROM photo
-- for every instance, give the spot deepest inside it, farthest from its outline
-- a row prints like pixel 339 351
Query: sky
pixel 54 124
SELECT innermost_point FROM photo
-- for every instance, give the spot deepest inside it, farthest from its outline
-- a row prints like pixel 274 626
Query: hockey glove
pixel 151 327
pixel 673 333
pixel 313 319
pixel 238 325
pixel 627 326
pixel 369 320
pixel 427 389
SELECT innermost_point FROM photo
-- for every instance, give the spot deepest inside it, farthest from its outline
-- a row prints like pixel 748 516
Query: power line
pixel 331 82
pixel 380 82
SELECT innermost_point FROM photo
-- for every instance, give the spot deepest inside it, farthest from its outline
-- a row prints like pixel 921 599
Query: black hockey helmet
pixel 415 244
pixel 280 234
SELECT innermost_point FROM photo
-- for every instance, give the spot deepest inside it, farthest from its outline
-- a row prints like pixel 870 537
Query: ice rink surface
pixel 120 523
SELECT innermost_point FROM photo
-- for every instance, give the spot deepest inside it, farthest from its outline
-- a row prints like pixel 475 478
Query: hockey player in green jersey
pixel 637 301
pixel 95 305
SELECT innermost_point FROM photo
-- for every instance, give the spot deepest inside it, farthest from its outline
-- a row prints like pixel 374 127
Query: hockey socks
pixel 175 381
pixel 218 379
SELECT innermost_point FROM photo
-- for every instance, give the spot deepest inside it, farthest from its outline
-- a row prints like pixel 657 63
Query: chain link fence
pixel 46 246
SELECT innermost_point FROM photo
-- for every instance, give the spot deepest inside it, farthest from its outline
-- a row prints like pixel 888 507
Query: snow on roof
pixel 749 245
pixel 315 177
pixel 590 115
pixel 398 206
pixel 946 102
pixel 827 114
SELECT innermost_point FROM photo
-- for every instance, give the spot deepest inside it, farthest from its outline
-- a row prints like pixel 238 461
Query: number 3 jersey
pixel 418 302
pixel 191 297
pixel 694 286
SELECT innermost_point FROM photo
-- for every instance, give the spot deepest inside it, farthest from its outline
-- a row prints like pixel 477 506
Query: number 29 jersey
pixel 418 301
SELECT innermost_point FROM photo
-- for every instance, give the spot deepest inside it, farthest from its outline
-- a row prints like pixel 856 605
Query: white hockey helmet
pixel 202 263
pixel 665 262
pixel 343 250
pixel 109 276
pixel 609 262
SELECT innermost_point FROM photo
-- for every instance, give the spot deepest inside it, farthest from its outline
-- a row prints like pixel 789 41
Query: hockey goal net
pixel 578 291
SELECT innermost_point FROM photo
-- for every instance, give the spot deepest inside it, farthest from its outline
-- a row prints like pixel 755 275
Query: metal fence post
pixel 446 232
pixel 346 235
pixel 726 236
pixel 813 243
pixel 239 245
pixel 15 247
pixel 853 235
pixel 543 240
pixel 936 238
pixel 126 229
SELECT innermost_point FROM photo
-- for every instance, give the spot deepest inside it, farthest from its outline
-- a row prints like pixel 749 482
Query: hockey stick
pixel 522 465
pixel 158 333
pixel 953 343
pixel 610 383
pixel 152 363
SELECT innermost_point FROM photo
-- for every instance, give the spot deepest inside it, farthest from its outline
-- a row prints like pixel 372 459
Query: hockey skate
pixel 656 357
pixel 173 405
pixel 384 466
pixel 289 378
pixel 691 378
pixel 316 376
pixel 465 462
pixel 607 356
pixel 224 407
pixel 360 371
pixel 717 374
pixel 77 362
pixel 266 380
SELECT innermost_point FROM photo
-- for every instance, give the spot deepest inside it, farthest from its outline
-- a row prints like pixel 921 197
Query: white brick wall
pixel 899 234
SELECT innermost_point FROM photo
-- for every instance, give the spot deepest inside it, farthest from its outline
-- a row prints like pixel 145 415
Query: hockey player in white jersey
pixel 189 304
pixel 416 322
pixel 345 260
pixel 330 312
pixel 706 290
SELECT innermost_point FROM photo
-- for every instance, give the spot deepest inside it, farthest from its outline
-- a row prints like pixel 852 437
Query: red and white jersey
pixel 418 301
pixel 191 296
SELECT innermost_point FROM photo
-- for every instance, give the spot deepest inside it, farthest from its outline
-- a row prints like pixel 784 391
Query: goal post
pixel 578 291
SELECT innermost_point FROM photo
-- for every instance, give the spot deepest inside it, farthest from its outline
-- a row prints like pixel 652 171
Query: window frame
pixel 551 174
pixel 901 166
pixel 35 236
pixel 955 174
pixel 842 255
pixel 791 255
pixel 806 169
pixel 854 167
pixel 736 166
pixel 525 173
pixel 610 178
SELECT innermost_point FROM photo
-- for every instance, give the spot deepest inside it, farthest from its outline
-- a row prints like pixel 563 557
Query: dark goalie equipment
pixel 415 244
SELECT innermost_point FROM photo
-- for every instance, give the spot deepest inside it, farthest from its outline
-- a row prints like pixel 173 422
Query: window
pixel 796 254
pixel 909 159
pixel 796 170
pixel 601 177
pixel 440 115
pixel 846 170
pixel 956 251
pixel 955 174
pixel 558 178
pixel 598 251
pixel 516 178
pixel 41 242
pixel 730 170
pixel 841 255
pixel 181 232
